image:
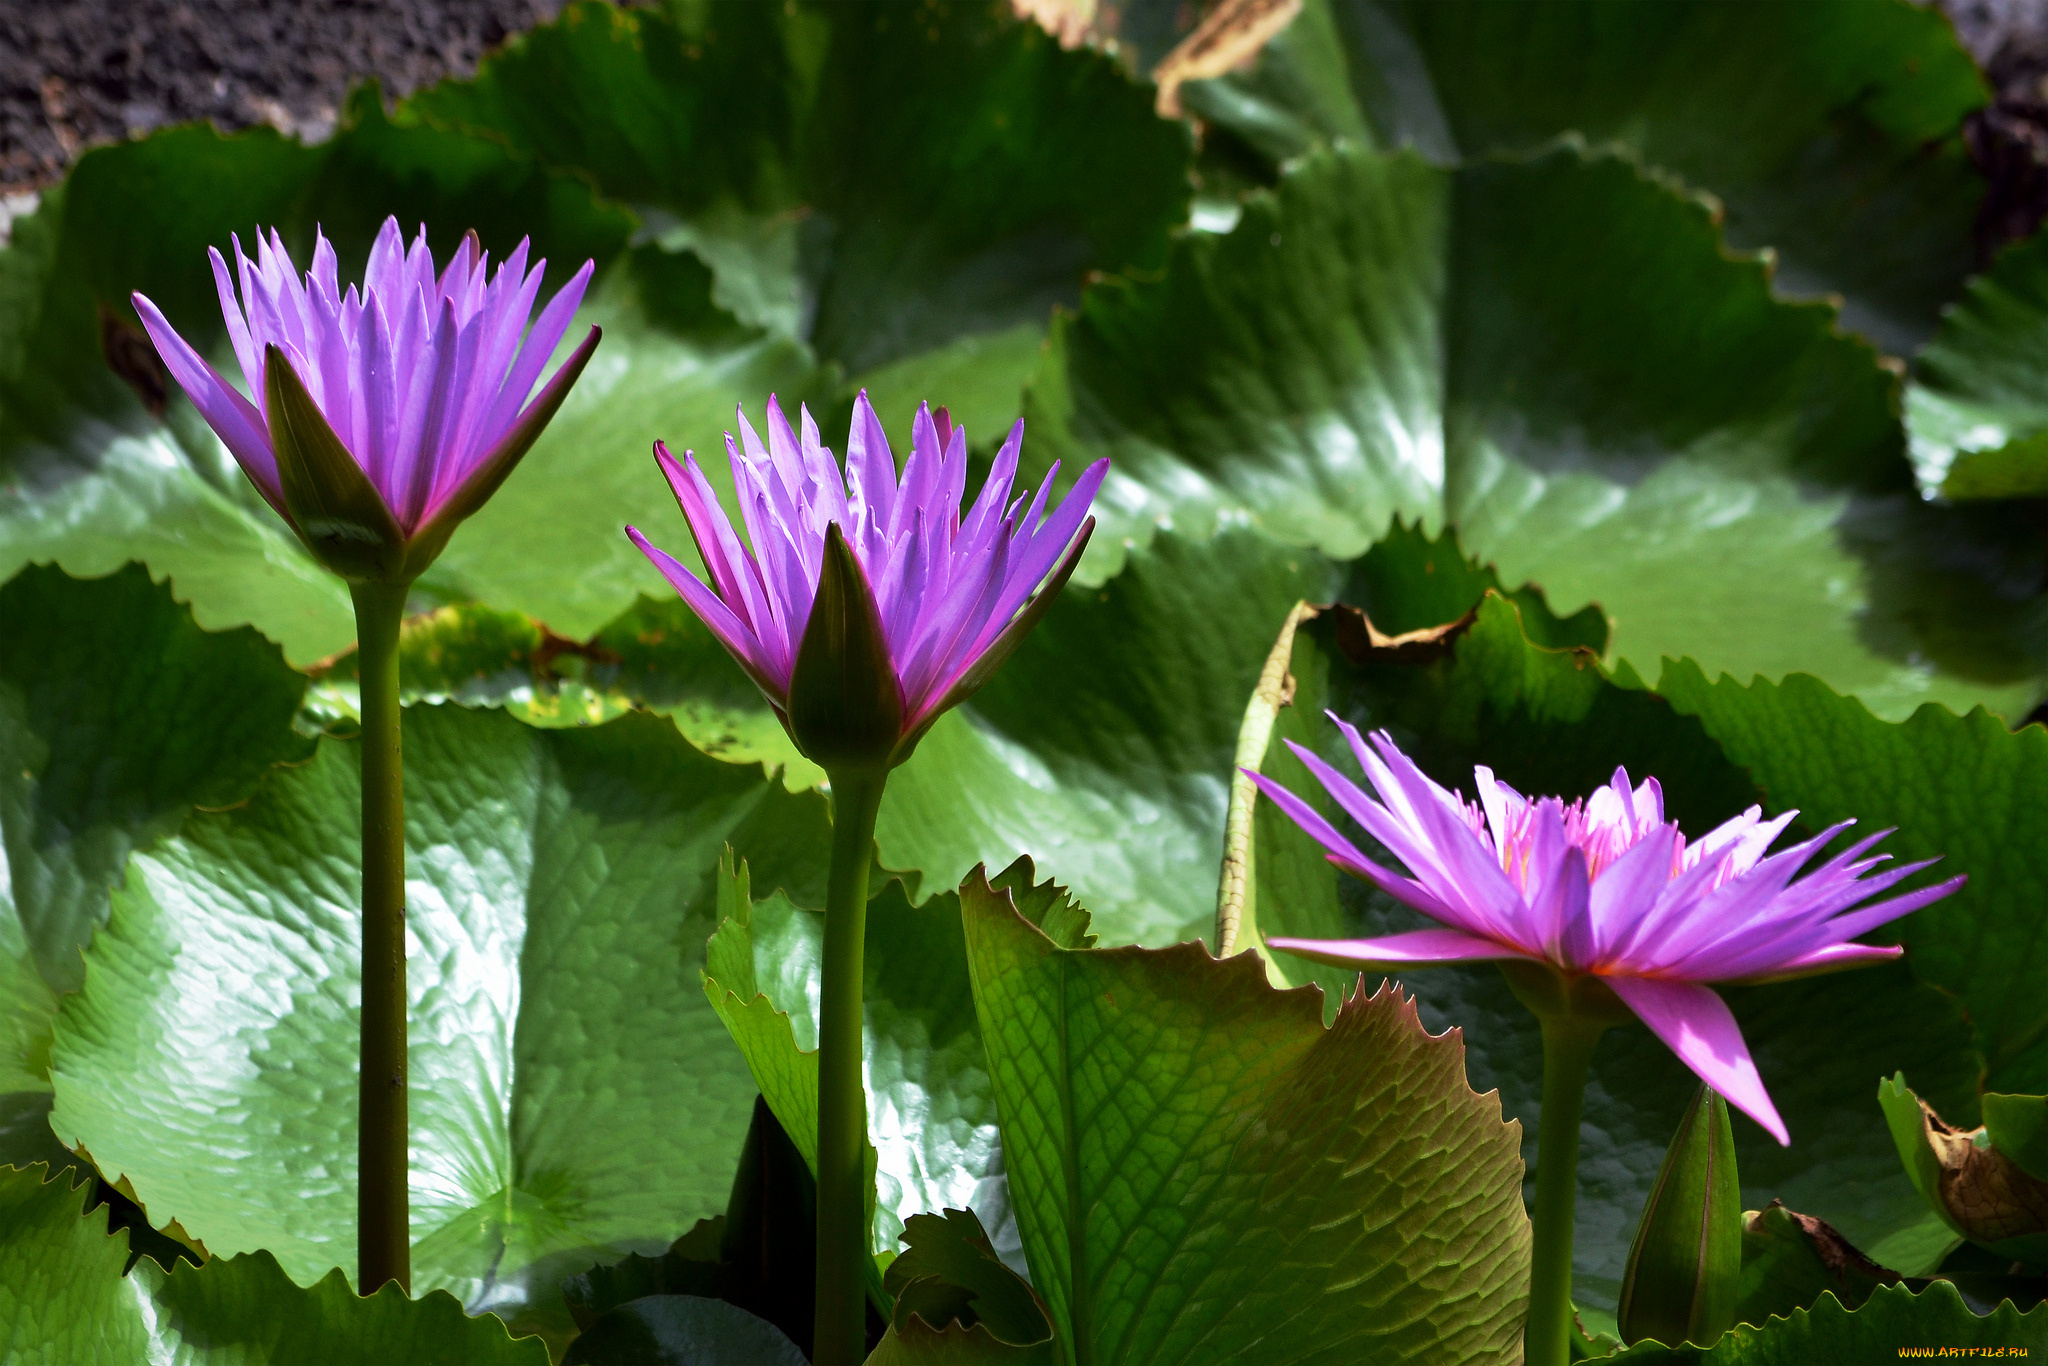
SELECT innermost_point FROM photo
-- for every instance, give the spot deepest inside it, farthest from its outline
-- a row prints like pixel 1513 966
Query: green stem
pixel 383 1234
pixel 1568 1044
pixel 841 1326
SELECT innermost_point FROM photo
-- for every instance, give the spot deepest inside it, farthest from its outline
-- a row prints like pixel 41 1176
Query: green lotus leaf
pixel 1830 133
pixel 118 716
pixel 1977 409
pixel 1893 1320
pixel 1201 1169
pixel 1549 721
pixel 102 459
pixel 1959 788
pixel 64 1300
pixel 1555 355
pixel 573 1096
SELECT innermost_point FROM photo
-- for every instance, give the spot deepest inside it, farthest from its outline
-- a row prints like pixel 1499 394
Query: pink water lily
pixel 951 589
pixel 424 377
pixel 1605 887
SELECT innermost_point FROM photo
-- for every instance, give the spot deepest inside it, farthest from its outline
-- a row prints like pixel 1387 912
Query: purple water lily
pixel 948 588
pixel 1605 887
pixel 423 378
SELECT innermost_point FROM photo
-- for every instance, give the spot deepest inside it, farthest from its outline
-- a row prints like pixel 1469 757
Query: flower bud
pixel 1684 1272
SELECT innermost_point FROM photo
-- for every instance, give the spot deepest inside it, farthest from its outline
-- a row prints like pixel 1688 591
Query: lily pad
pixel 1556 355
pixel 118 716
pixel 1978 405
pixel 1893 1319
pixel 63 1299
pixel 573 1099
pixel 1963 789
pixel 1201 1169
pixel 909 192
pixel 1830 132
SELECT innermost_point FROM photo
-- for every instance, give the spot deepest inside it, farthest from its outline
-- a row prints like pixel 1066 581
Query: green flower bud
pixel 1684 1274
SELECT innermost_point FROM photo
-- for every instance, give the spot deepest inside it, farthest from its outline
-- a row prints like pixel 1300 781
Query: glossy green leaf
pixel 1203 1171
pixel 682 1330
pixel 1893 1320
pixel 1830 132
pixel 63 1300
pixel 95 471
pixel 1789 1260
pixel 118 716
pixel 908 191
pixel 931 1113
pixel 573 1097
pixel 1557 356
pixel 1977 410
pixel 1959 788
pixel 1549 722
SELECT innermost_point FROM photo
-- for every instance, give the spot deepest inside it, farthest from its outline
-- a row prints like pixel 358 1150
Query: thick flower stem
pixel 383 1235
pixel 1568 1044
pixel 841 1326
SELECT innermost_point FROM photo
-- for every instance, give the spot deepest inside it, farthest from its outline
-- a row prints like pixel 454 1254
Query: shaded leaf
pixel 1829 132
pixel 908 192
pixel 1977 410
pixel 1790 1259
pixel 681 1330
pixel 1959 788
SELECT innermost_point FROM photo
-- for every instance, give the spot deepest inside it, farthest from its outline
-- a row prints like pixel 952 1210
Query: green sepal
pixel 334 507
pixel 432 537
pixel 2018 1127
pixel 1551 992
pixel 1001 648
pixel 1684 1276
pixel 845 706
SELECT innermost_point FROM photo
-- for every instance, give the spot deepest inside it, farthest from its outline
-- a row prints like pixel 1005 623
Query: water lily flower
pixel 864 605
pixel 1606 889
pixel 952 593
pixel 1597 911
pixel 383 416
